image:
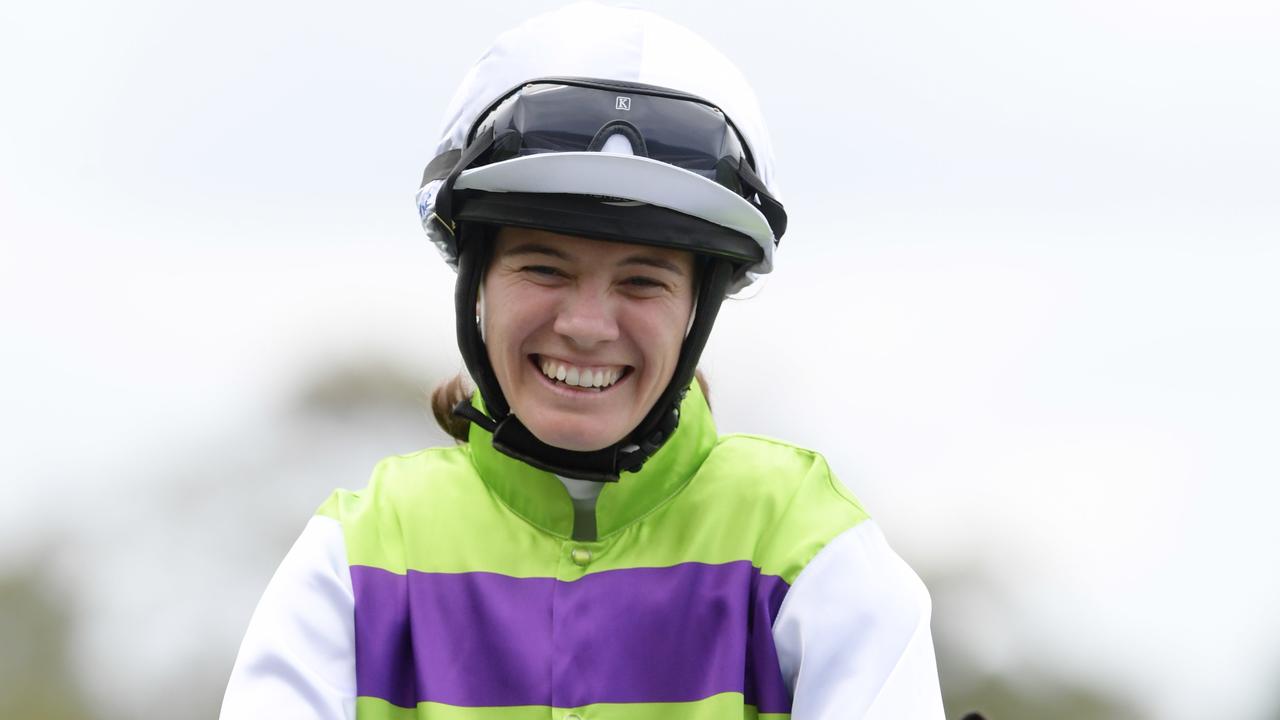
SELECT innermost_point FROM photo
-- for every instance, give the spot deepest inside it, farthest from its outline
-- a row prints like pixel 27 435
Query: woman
pixel 592 548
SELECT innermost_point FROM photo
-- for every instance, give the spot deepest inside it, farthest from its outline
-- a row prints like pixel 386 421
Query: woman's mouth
pixel 582 378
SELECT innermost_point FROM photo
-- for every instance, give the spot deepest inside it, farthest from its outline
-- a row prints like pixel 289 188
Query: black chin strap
pixel 512 438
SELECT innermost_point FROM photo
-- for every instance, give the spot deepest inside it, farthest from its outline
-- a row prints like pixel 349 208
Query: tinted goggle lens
pixel 546 118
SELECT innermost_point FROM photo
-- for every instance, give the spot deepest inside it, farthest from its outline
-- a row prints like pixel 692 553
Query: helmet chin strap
pixel 510 436
pixel 480 309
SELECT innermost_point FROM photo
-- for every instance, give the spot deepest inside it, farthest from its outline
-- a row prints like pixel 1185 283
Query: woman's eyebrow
pixel 650 261
pixel 536 249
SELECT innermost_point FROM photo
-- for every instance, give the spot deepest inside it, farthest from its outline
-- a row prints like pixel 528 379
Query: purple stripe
pixel 674 634
pixel 458 639
pixel 764 686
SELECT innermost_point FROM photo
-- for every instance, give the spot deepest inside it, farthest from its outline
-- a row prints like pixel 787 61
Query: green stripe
pixel 793 507
pixel 430 511
pixel 716 707
pixel 753 499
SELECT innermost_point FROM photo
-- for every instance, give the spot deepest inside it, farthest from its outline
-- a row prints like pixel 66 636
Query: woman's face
pixel 583 334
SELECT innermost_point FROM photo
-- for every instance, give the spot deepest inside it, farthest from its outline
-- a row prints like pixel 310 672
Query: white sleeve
pixel 852 635
pixel 298 655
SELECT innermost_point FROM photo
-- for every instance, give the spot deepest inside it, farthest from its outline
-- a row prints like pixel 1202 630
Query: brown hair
pixel 453 391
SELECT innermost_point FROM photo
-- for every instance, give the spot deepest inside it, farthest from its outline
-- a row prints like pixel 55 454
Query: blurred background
pixel 1027 306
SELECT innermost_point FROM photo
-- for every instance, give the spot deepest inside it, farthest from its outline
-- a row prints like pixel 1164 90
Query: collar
pixel 541 499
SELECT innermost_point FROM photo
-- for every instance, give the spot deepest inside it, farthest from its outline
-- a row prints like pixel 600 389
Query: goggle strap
pixel 444 198
pixel 769 207
pixel 440 166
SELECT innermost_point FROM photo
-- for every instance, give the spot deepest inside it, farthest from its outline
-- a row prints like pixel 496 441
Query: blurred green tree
pixel 36 675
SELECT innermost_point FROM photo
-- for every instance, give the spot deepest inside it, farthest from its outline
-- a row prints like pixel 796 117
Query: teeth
pixel 589 378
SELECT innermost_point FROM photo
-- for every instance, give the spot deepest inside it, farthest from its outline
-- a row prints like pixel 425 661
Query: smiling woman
pixel 593 546
pixel 583 335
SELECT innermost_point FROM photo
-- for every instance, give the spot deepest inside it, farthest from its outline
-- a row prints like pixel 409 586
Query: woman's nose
pixel 587 319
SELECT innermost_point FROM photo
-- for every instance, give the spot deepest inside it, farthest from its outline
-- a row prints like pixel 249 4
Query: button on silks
pixel 581 556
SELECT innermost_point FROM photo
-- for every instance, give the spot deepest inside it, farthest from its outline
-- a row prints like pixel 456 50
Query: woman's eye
pixel 645 282
pixel 543 270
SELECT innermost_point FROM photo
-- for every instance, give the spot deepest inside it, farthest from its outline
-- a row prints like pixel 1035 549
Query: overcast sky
pixel 1027 303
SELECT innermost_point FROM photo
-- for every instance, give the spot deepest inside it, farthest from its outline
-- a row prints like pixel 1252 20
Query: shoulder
pixel 403 490
pixel 798 503
pixel 399 478
pixel 798 476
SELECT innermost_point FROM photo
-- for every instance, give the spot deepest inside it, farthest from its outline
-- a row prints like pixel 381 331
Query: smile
pixel 596 378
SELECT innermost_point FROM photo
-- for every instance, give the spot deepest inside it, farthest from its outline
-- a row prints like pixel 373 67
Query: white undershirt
pixel 584 494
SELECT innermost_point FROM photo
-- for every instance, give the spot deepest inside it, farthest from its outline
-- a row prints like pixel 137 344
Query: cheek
pixel 510 318
pixel 662 336
pixel 494 311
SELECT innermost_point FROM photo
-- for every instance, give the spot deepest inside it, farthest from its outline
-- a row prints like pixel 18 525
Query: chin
pixel 578 435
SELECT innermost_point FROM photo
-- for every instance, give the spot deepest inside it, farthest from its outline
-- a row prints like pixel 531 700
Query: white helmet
pixel 620 51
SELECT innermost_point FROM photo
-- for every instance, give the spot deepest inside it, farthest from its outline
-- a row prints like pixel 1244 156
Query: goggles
pixel 571 115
